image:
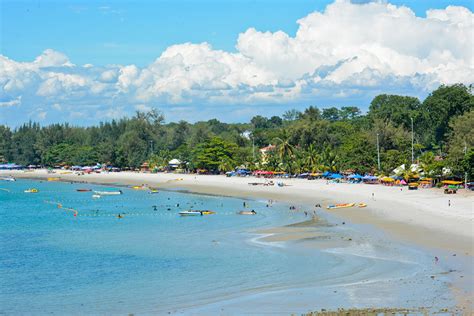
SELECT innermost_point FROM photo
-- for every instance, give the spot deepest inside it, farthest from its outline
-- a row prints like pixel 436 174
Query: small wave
pixel 257 240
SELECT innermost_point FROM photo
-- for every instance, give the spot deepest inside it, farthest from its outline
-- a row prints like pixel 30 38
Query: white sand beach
pixel 426 217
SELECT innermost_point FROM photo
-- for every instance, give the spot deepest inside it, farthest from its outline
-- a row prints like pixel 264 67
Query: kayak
pixel 361 205
pixel 32 191
pixel 109 192
pixel 139 187
pixel 83 190
pixel 343 205
pixel 153 191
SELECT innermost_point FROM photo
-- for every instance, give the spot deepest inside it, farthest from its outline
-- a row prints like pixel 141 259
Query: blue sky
pixel 125 32
pixel 107 36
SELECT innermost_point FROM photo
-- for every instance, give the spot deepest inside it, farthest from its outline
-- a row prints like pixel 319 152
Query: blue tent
pixel 336 176
pixel 355 176
pixel 326 174
pixel 10 166
pixel 370 177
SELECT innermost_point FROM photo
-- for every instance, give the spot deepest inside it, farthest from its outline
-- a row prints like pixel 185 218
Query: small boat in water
pixel 83 190
pixel 190 213
pixel 252 212
pixel 108 192
pixel 153 191
pixel 342 205
pixel 96 196
pixel 196 212
pixel 31 191
pixel 207 212
pixel 11 179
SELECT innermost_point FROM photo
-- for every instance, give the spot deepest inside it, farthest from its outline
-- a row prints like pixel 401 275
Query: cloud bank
pixel 347 50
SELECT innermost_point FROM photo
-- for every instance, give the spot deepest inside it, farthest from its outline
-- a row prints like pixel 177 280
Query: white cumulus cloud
pixel 348 49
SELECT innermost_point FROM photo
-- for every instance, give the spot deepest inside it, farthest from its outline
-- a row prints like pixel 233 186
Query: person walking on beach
pixel 373 196
pixel 449 202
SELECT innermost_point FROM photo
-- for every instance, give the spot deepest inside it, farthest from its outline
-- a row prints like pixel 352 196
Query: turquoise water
pixel 157 262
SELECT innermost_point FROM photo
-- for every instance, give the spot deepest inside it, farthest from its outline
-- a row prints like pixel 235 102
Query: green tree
pixel 210 155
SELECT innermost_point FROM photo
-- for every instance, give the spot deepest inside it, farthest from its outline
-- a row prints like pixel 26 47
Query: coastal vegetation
pixel 329 139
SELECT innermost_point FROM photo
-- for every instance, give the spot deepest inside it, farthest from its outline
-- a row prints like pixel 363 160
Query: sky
pixel 88 61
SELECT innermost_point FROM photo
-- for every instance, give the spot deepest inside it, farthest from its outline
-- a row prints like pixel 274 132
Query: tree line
pixel 311 140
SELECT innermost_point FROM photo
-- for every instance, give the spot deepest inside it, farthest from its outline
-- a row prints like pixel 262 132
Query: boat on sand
pixel 342 205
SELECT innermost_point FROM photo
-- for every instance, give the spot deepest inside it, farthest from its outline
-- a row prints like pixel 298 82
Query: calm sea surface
pixel 153 261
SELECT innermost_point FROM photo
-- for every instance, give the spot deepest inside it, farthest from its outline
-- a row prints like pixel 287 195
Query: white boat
pixel 108 192
pixel 190 213
pixel 96 196
pixel 8 179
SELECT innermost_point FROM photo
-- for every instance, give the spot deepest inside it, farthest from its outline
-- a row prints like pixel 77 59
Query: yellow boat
pixel 207 212
pixel 32 191
pixel 343 205
pixel 139 187
pixel 361 205
pixel 53 179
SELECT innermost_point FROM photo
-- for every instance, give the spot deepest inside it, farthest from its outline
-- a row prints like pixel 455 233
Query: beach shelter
pixel 355 176
pixel 326 174
pixel 174 163
pixel 336 176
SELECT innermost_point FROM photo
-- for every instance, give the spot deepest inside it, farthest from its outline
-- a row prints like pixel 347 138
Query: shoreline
pixel 296 194
pixel 408 220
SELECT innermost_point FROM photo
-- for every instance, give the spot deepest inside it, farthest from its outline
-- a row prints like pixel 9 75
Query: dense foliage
pixel 312 140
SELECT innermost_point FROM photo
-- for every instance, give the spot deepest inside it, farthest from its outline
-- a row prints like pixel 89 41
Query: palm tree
pixel 311 159
pixel 329 160
pixel 225 165
pixel 285 149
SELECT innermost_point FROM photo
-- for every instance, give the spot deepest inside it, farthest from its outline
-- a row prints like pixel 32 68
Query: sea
pixel 63 252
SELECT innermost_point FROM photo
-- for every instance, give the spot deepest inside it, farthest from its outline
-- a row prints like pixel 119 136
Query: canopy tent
pixel 370 178
pixel 263 172
pixel 10 166
pixel 355 176
pixel 326 174
pixel 451 182
pixel 336 176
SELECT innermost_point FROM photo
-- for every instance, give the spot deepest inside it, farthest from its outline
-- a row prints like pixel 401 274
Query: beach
pixel 424 217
